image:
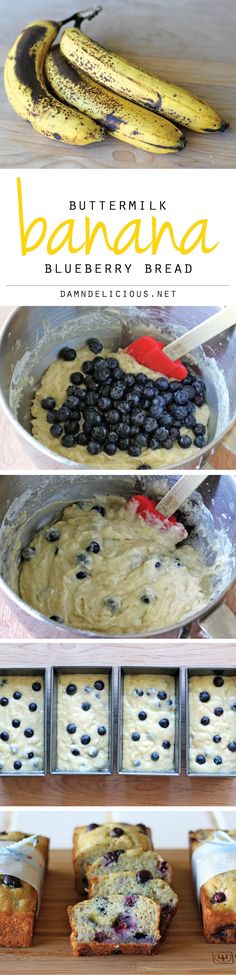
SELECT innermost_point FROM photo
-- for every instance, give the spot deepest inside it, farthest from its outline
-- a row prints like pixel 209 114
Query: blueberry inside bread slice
pixel 142 882
pixel 130 861
pixel 106 925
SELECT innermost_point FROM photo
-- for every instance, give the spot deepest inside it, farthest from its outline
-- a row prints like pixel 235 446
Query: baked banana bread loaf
pixel 90 842
pixel 18 898
pixel 132 861
pixel 140 883
pixel 107 925
pixel 212 850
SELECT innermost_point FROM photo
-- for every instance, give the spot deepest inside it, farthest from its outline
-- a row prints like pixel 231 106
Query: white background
pixel 190 195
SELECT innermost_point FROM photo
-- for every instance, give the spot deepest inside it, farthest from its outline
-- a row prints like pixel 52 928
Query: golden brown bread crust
pixel 18 906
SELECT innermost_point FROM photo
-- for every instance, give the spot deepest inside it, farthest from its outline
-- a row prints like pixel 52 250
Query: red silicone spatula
pixel 164 509
pixel 148 352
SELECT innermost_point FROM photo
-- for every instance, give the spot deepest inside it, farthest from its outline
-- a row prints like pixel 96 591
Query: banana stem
pixel 86 15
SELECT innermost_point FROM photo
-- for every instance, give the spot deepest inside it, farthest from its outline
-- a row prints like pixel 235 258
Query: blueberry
pixel 27 553
pixel 4 736
pixel 30 755
pixel 82 439
pixel 216 739
pixel 123 429
pixel 111 362
pixel 155 756
pixel 117 391
pixel 93 418
pixel 85 706
pixel 36 686
pixel 9 881
pixel 219 897
pixel 124 408
pixel 181 396
pixel 166 420
pixel 143 876
pixel 142 715
pixel 124 444
pixel 17 765
pixel 71 728
pixel 200 759
pixel 101 730
pixel 164 723
pixel 77 378
pixel 81 575
pixel 168 444
pixel 200 429
pixel 218 760
pixel 52 416
pixel 104 403
pixel 57 619
pixel 199 400
pixel 232 746
pixel 135 736
pixel 138 691
pixel 69 440
pixel 144 598
pixel 190 422
pixel 204 697
pixel 117 831
pixel 162 383
pixel 72 426
pixel 85 739
pixel 33 706
pixel 56 430
pixel 100 509
pixel 92 826
pixel 156 408
pixel 4 701
pixel 99 685
pixel 218 681
pixel 75 751
pixel 218 712
pixel 48 403
pixel 199 441
pixel 154 443
pixel 112 417
pixel 67 354
pixel 88 366
pixel 144 467
pixel 93 547
pixel 110 448
pixel 138 417
pixel 134 450
pixel 166 744
pixel 141 440
pixel 179 411
pixel 71 689
pixel 94 447
pixel 94 345
pixel 101 371
pixel 150 424
pixel 162 695
pixel 28 732
pixel 17 695
pixel 184 441
pixel 52 534
pixel 205 721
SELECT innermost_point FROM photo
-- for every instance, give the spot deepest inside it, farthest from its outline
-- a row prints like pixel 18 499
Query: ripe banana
pixel 137 85
pixel 28 94
pixel 127 122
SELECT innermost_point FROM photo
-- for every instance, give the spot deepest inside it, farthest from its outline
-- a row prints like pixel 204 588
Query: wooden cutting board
pixel 185 951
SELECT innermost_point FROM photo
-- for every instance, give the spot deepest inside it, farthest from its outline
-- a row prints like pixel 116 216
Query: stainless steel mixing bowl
pixel 31 338
pixel 28 503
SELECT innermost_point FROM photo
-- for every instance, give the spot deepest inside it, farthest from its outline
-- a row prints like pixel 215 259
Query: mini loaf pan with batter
pixel 149 721
pixel 81 720
pixel 210 731
pixel 23 721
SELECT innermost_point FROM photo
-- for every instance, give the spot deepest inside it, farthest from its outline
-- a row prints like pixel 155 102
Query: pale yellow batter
pixel 140 697
pixel 27 713
pixel 123 588
pixel 83 706
pixel 222 726
pixel 55 382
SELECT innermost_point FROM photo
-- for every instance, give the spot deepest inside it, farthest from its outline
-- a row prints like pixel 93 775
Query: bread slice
pixel 107 925
pixel 130 861
pixel 139 883
pixel 90 842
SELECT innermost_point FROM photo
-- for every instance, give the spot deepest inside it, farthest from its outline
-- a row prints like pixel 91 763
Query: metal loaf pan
pixel 198 672
pixel 175 672
pixel 55 671
pixel 39 672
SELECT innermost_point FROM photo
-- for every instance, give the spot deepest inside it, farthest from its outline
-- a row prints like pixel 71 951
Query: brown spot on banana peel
pixel 25 68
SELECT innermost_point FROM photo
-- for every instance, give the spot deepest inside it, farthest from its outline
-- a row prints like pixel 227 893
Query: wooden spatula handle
pixel 201 333
pixel 179 493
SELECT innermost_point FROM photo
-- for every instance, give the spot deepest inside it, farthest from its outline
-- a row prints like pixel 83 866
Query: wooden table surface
pixel 184 952
pixel 189 43
pixel 63 790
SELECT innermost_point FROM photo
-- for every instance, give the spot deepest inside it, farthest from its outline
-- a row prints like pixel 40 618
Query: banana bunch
pixel 28 94
pixel 136 85
pixel 78 91
pixel 125 121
